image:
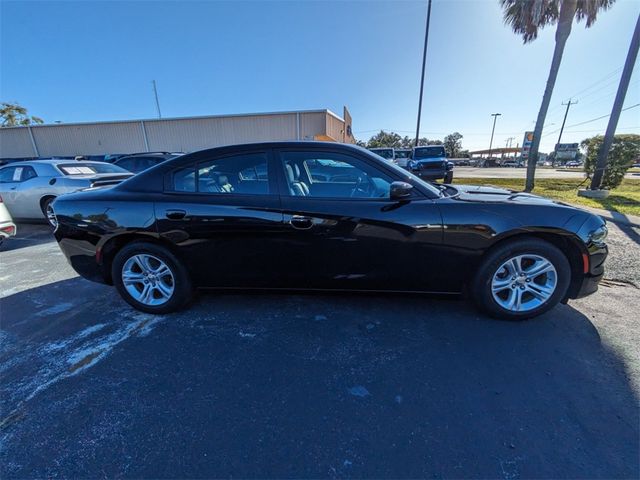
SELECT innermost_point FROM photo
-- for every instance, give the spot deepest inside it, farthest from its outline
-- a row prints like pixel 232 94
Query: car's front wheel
pixel 150 278
pixel 521 279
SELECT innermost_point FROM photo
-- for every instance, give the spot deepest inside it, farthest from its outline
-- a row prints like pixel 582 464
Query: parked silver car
pixel 28 188
pixel 7 227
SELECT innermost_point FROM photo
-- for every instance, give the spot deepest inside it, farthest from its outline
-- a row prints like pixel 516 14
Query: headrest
pixel 290 176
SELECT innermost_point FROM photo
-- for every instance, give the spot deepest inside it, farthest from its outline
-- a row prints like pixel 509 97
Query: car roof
pixel 49 161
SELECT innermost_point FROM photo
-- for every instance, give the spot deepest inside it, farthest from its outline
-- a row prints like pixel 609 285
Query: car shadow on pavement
pixel 28 235
pixel 266 385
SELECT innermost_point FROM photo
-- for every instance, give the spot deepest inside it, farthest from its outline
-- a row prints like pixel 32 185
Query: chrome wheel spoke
pixel 500 284
pixel 539 268
pixel 162 271
pixel 541 292
pixel 129 278
pixel 164 290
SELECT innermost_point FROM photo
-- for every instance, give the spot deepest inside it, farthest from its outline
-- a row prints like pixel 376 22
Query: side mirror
pixel 400 190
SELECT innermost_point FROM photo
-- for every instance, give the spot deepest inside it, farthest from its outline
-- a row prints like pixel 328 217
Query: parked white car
pixel 7 227
pixel 28 188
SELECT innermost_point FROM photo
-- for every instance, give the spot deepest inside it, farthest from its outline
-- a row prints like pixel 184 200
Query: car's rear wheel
pixel 521 279
pixel 47 210
pixel 150 278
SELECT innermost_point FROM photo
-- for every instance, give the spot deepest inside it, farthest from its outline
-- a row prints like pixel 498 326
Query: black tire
pixel 182 286
pixel 448 177
pixel 480 287
pixel 45 207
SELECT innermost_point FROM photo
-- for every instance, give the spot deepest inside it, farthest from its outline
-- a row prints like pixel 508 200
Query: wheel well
pixel 111 248
pixel 44 199
pixel 565 244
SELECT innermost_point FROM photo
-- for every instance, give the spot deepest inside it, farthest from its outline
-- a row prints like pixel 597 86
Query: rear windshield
pixel 429 152
pixel 403 153
pixel 89 168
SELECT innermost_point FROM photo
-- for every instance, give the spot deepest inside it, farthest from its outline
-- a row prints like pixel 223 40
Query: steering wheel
pixel 362 187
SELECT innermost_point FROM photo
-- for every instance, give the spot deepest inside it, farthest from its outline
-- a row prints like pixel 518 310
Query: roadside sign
pixel 566 151
pixel 526 144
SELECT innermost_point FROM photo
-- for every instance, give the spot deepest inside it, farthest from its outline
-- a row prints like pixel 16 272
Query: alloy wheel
pixel 524 282
pixel 148 279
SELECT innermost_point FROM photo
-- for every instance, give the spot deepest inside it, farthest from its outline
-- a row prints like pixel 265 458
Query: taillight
pixel 9 230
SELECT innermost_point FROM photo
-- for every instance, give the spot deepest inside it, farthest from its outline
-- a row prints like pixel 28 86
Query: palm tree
pixel 526 17
pixel 12 114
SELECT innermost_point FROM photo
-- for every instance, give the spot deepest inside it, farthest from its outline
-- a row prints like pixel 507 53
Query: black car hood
pixel 489 194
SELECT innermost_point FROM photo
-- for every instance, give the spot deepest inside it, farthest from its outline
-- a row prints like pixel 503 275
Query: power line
pixel 592 120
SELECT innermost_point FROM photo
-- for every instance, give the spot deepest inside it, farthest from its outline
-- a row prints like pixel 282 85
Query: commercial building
pixel 172 134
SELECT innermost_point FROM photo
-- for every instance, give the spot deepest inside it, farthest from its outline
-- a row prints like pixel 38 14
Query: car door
pixel 345 231
pixel 225 219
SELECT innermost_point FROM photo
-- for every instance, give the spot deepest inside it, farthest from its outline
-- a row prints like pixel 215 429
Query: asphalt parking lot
pixel 312 385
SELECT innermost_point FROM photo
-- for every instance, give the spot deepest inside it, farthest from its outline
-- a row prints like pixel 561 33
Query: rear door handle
pixel 301 222
pixel 175 214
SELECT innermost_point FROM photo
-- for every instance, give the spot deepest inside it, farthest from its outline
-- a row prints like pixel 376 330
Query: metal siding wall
pixel 15 142
pixel 184 134
pixel 311 124
pixel 90 139
pixel 188 135
pixel 334 128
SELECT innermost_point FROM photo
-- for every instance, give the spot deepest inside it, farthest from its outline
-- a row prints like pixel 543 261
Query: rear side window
pixel 6 175
pixel 244 174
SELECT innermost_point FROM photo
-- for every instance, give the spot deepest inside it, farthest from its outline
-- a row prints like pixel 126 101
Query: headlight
pixel 599 235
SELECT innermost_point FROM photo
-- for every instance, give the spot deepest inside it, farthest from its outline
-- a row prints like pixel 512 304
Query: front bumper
pixel 588 284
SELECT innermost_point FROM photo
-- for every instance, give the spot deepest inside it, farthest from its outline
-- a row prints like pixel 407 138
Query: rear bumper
pixel 7 229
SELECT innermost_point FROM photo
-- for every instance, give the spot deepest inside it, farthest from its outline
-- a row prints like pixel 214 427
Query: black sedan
pixel 325 216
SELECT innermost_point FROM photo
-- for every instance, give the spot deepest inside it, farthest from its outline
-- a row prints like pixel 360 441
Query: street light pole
pixel 495 117
pixel 155 92
pixel 424 63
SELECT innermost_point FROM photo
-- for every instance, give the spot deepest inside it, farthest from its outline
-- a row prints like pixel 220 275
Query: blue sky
pixel 84 61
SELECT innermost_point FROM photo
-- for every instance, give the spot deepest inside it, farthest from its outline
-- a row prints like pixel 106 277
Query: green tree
pixel 453 144
pixel 12 115
pixel 526 18
pixel 625 149
pixel 385 139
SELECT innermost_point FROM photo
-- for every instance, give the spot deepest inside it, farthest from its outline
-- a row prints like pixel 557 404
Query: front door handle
pixel 175 214
pixel 301 222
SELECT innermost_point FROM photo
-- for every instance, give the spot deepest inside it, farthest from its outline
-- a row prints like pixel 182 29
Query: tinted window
pixel 28 173
pixel 6 174
pixel 386 153
pixel 403 154
pixel 239 174
pixel 333 175
pixel 429 152
pixel 127 164
pixel 245 174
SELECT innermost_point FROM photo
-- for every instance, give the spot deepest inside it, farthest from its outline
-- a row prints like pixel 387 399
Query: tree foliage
pixel 453 144
pixel 625 149
pixel 13 114
pixel 393 140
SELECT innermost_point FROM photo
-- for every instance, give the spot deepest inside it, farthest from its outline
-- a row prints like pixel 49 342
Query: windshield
pixel 429 152
pixel 403 153
pixel 385 153
pixel 81 168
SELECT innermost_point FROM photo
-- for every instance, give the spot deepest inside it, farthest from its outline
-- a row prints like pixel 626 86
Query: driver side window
pixel 332 175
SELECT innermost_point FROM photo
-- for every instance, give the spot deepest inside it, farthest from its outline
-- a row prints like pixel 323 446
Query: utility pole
pixel 495 117
pixel 566 112
pixel 601 164
pixel 424 63
pixel 155 92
